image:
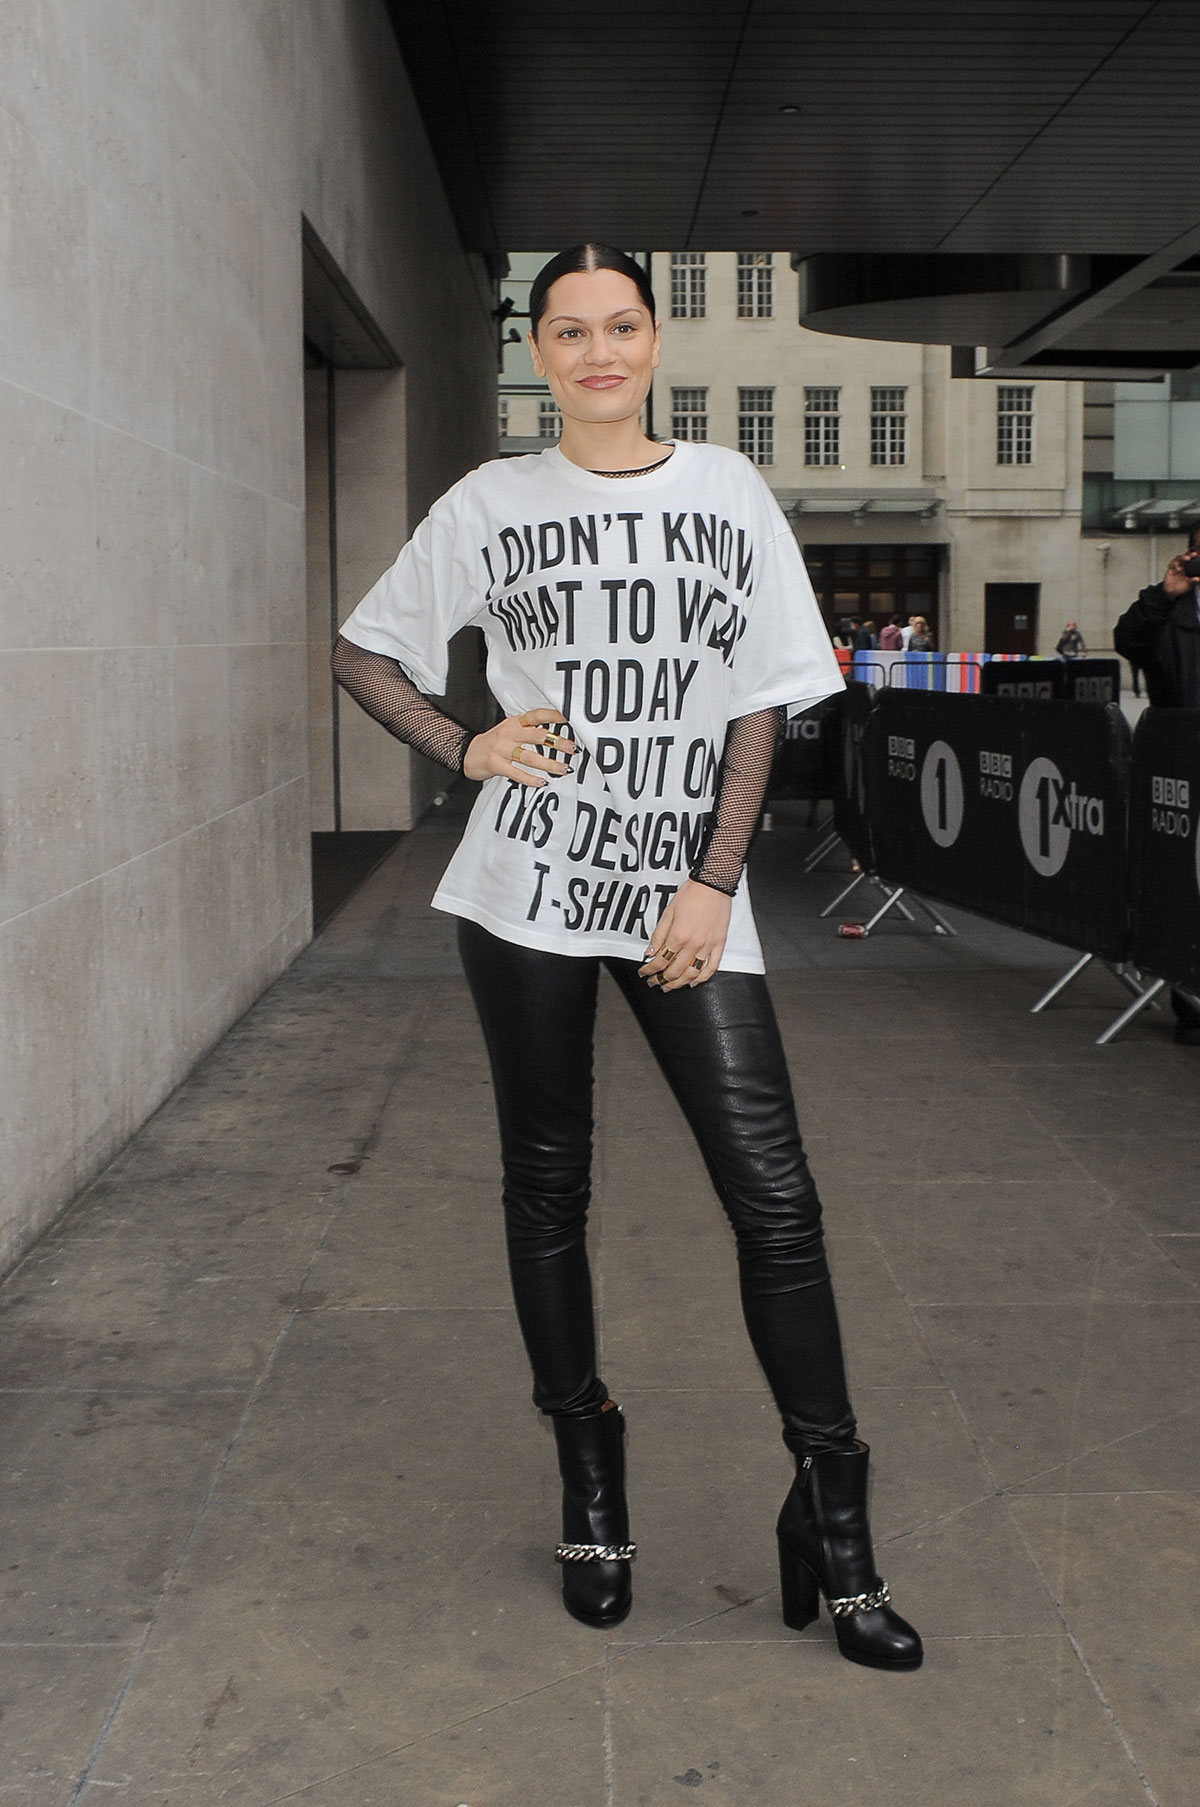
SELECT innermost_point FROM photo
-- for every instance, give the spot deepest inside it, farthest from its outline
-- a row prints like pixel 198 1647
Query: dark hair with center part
pixel 586 257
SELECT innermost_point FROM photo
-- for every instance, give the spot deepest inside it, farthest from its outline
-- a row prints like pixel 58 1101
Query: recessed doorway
pixel 880 581
pixel 1010 618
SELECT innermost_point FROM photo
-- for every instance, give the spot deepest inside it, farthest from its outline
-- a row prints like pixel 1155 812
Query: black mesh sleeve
pixel 745 767
pixel 385 690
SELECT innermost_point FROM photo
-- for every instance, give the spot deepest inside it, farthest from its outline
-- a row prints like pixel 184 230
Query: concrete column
pixel 370 489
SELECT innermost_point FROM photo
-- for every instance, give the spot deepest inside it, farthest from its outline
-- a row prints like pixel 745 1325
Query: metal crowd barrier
pixel 1044 815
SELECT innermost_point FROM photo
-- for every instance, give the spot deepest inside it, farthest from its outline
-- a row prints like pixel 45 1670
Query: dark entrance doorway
pixel 880 581
pixel 1010 618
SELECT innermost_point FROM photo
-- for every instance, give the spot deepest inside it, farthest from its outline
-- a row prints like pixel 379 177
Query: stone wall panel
pixel 155 650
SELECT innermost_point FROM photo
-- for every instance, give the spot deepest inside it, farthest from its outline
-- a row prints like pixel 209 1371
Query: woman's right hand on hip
pixel 518 747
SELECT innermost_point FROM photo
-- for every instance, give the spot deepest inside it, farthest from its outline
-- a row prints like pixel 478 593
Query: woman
pixel 649 623
pixel 921 638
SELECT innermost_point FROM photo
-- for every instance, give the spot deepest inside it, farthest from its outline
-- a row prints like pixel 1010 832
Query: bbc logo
pixel 1173 793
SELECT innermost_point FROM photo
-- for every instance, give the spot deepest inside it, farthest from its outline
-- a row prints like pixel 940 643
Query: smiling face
pixel 596 346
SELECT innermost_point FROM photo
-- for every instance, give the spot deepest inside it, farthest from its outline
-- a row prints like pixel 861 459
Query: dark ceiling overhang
pixel 1048 133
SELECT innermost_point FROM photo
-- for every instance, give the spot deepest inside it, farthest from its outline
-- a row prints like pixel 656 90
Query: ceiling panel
pixel 1112 171
pixel 1002 125
pixel 913 126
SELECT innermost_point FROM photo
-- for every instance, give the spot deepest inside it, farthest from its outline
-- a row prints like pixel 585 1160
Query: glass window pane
pixel 822 425
pixel 1014 423
pixel 756 424
pixel 688 285
pixel 918 559
pixel 755 272
pixel 689 414
pixel 889 428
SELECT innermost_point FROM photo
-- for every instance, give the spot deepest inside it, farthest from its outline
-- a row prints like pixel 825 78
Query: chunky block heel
pixel 798 1588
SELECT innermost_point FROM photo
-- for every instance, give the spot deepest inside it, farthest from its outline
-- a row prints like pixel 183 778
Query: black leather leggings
pixel 718 1047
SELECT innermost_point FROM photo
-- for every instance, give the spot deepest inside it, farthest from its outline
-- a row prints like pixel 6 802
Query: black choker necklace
pixel 642 469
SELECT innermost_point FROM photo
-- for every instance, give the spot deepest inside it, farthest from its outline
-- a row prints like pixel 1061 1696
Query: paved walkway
pixel 277 1513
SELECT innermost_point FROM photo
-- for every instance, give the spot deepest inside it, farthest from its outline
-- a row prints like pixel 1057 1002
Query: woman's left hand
pixel 688 938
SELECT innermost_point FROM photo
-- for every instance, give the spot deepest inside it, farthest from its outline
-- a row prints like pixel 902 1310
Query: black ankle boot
pixel 595 1551
pixel 825 1547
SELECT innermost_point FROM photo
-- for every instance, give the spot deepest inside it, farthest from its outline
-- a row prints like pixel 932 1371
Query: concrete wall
pixel 157 157
pixel 1015 523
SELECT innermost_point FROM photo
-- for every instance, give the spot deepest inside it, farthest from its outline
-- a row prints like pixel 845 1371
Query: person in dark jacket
pixel 1160 636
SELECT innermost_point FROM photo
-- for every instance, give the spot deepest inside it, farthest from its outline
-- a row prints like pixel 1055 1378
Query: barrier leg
pixel 1132 981
pixel 855 882
pixel 881 885
pixel 940 925
pixel 1061 984
pixel 890 903
pixel 1139 1003
pixel 821 853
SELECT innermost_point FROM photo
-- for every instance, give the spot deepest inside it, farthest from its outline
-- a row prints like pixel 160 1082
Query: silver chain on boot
pixel 595 1552
pixel 859 1602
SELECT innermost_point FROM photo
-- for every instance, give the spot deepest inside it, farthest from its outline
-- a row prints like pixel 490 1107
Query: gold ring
pixel 668 953
pixel 699 965
pixel 517 751
pixel 550 740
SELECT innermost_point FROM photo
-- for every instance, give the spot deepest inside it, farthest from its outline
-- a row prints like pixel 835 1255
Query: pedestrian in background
pixel 1160 636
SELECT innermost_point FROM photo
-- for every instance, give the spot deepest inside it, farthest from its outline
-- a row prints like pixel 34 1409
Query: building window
pixel 1014 424
pixel 756 425
pixel 689 413
pixel 822 426
pixel 889 431
pixel 688 271
pixel 755 273
pixel 504 417
pixel 549 420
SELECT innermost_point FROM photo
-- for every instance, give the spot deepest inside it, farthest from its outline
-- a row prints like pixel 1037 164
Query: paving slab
pixel 1046 1383
pixel 1012 1720
pixel 1119 1563
pixel 54 1702
pixel 100 1492
pixel 306 1642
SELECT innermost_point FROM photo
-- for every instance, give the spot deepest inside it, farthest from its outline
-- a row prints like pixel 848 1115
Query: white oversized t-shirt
pixel 652 611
